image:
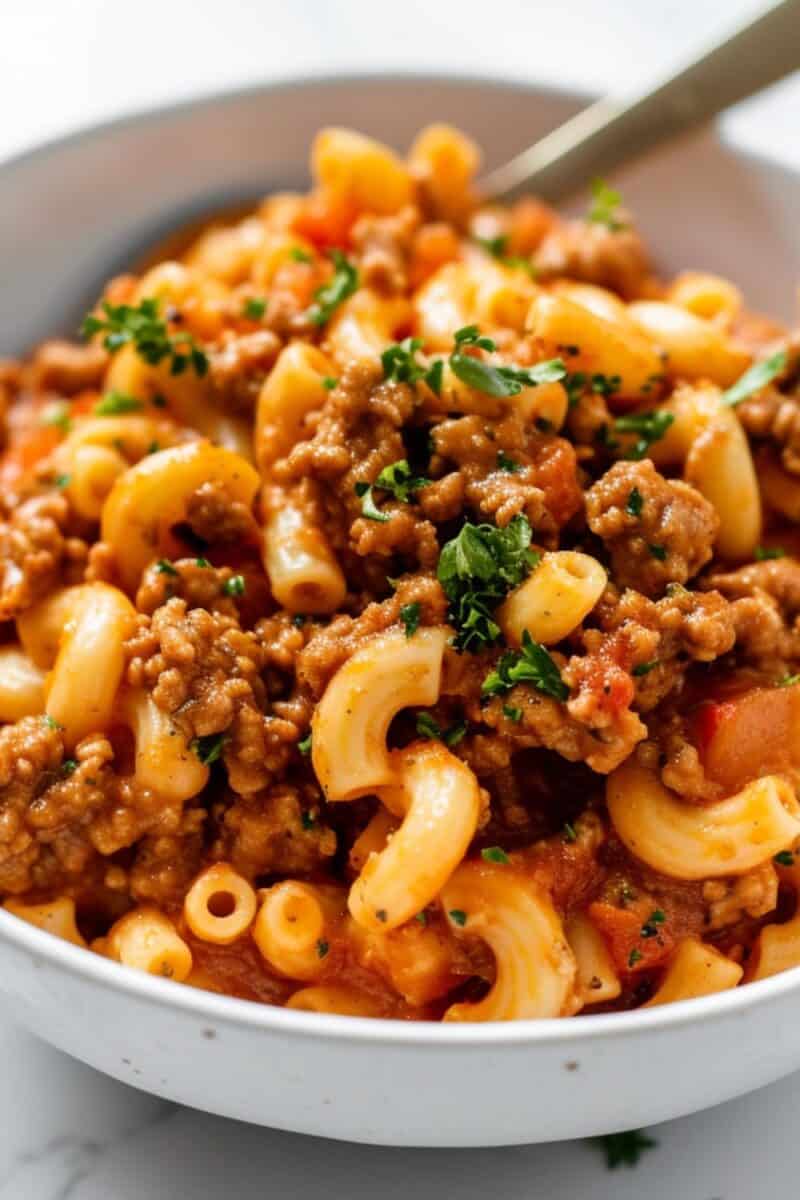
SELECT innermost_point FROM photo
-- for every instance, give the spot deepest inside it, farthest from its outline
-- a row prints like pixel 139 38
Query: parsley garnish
pixel 398 480
pixel 644 668
pixel 650 427
pixel 532 664
pixel 569 833
pixel 505 463
pixel 659 552
pixel 322 947
pixel 202 562
pixel 763 553
pixel 142 325
pixel 51 722
pixel 494 854
pixel 477 568
pixel 422 917
pixel 307 820
pixel 625 1148
pixel 788 681
pixel 409 615
pixel 501 381
pixel 634 957
pixel 380 913
pixel 305 745
pixel 604 207
pixel 512 712
pixel 234 586
pixel 209 748
pixel 635 501
pixel 114 404
pixel 755 378
pixel 496 246
pixel 650 928
pixel 57 415
pixel 165 567
pixel 69 765
pixel 254 308
pixel 429 728
pixel 784 858
pixel 458 916
pixel 62 481
pixel 400 364
pixel 333 293
pixel 299 620
pixel 300 255
pixel 329 382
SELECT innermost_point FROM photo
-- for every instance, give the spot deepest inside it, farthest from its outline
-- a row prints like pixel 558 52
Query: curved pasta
pixel 360 170
pixel 220 905
pixel 693 841
pixel 292 924
pixel 441 799
pixel 147 940
pixel 150 499
pixel 695 348
pixel 777 947
pixel 706 295
pixel 596 978
pixel 445 161
pixel 535 967
pixel 334 998
pixel 294 387
pixel 695 970
pixel 84 629
pixel 54 916
pixel 365 325
pixel 349 726
pixel 558 594
pixel 21 685
pixel 164 762
pixel 303 573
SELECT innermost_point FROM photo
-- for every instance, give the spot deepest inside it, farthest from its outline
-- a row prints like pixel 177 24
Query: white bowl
pixel 77 210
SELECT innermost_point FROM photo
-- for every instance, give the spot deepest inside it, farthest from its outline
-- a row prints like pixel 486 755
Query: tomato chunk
pixel 757 733
pixel 632 949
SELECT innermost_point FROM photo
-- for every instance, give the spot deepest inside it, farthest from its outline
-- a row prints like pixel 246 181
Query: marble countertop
pixel 67 1133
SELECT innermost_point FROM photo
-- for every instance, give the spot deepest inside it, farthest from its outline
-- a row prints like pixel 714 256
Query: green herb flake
pixel 329 382
pixel 659 552
pixel 410 615
pixel 512 712
pixel 298 254
pixel 494 854
pixel 784 858
pixel 51 722
pixel 634 957
pixel 649 427
pixel 148 332
pixel 209 748
pixel 57 416
pixel 755 378
pixel 498 381
pixel 650 929
pixel 307 820
pixel 569 832
pixel 427 727
pixel 62 481
pixel 496 246
pixel 625 1149
pixel 235 586
pixel 299 620
pixel 202 562
pixel 532 664
pixel 635 503
pixel 381 915
pixel 254 308
pixel 400 364
pixel 458 917
pixel 764 553
pixel 322 948
pixel 477 569
pixel 788 681
pixel 605 205
pixel 165 567
pixel 116 404
pixel 398 480
pixel 454 734
pixel 304 746
pixel 422 917
pixel 644 668
pixel 342 284
pixel 505 463
pixel 68 766
pixel 153 448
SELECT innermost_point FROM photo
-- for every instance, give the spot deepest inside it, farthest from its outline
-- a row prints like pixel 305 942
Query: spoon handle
pixel 608 132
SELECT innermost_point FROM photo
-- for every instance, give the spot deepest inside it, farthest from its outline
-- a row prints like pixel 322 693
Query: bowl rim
pixel 213 1006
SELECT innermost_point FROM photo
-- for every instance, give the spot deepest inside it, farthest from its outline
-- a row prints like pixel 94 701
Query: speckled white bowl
pixel 77 210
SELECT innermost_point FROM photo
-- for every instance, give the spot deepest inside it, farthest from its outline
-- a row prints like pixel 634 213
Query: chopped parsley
pixel 57 416
pixel 500 381
pixel 51 722
pixel 62 481
pixel 398 480
pixel 254 308
pixel 305 745
pixel 429 728
pixel 144 328
pixel 342 284
pixel 755 378
pixel 234 586
pixel 659 552
pixel 458 916
pixel 68 766
pixel 307 819
pixel 380 913
pixel 153 448
pixel 477 568
pixel 644 668
pixel 496 246
pixel 209 748
pixel 605 205
pixel 115 404
pixel 409 615
pixel 569 832
pixel 400 364
pixel 165 567
pixel 635 503
pixel 650 929
pixel 634 957
pixel 648 426
pixel 322 947
pixel 299 620
pixel 788 681
pixel 763 553
pixel 422 917
pixel 784 858
pixel 505 463
pixel 512 712
pixel 625 1149
pixel 202 562
pixel 329 382
pixel 495 854
pixel 532 664
pixel 300 255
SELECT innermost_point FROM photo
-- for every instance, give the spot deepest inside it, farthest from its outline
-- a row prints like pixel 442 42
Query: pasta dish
pixel 401 610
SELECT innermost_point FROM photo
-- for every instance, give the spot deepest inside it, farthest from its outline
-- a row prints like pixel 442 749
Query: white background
pixel 69 1134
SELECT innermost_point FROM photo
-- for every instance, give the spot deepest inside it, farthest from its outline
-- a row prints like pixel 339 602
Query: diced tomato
pixel 753 734
pixel 622 930
pixel 326 219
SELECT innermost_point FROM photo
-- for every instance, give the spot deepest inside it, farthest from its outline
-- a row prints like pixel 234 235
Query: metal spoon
pixel 607 133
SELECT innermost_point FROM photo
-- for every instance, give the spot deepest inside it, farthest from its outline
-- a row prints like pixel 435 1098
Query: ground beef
pixel 279 831
pixel 190 579
pixel 668 541
pixel 752 895
pixel 765 610
pixel 239 366
pixel 68 368
pixel 590 251
pixel 213 516
pixel 36 553
pixel 383 246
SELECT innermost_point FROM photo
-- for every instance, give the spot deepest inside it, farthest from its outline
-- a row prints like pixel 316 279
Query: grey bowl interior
pixel 77 210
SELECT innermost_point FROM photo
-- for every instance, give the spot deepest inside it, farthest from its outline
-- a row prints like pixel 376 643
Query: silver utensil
pixel 761 51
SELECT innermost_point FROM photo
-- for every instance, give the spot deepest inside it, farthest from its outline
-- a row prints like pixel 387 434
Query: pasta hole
pixel 221 904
